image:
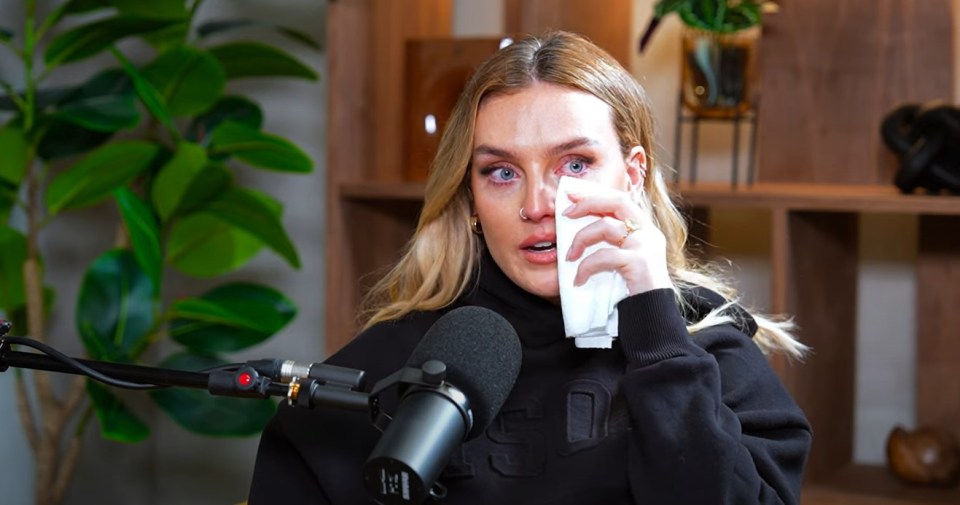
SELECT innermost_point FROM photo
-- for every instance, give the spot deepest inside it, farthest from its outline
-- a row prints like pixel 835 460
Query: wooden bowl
pixel 925 456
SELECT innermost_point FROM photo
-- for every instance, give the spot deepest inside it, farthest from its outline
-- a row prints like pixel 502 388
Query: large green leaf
pixel 255 59
pixel 105 103
pixel 61 139
pixel 175 178
pixel 85 6
pixel 201 245
pixel 42 99
pixel 144 234
pixel 170 9
pixel 115 309
pixel 214 27
pixel 230 318
pixel 229 108
pixel 117 422
pixel 204 187
pixel 664 7
pixel 203 413
pixel 189 79
pixel 92 38
pixel 72 7
pixel 258 149
pixel 107 114
pixel 95 176
pixel 245 209
pixel 8 198
pixel 13 253
pixel 14 153
pixel 148 94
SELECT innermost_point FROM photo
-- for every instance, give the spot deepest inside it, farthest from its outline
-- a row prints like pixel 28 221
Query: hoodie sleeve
pixel 711 421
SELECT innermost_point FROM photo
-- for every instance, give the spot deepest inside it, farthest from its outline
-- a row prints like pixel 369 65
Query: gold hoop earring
pixel 475 225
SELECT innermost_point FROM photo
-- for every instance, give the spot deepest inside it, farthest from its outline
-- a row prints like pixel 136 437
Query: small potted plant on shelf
pixel 719 52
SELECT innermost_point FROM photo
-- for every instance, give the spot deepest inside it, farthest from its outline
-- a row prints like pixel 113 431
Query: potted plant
pixel 719 52
pixel 158 138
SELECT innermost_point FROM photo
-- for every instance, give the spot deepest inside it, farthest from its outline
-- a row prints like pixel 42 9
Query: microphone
pixel 481 354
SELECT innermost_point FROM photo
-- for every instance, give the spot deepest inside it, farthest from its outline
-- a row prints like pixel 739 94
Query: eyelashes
pixel 575 166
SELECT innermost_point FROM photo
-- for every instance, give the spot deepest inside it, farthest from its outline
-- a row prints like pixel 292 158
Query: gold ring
pixel 631 227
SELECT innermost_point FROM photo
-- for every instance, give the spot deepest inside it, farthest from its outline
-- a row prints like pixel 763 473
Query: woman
pixel 682 409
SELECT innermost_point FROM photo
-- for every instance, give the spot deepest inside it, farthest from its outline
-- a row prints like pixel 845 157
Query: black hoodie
pixel 664 417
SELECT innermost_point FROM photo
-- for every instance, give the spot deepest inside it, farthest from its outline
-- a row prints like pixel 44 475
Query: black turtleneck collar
pixel 538 321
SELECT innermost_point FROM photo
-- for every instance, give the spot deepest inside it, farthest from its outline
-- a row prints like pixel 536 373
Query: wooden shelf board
pixel 873 485
pixel 817 197
pixel 814 197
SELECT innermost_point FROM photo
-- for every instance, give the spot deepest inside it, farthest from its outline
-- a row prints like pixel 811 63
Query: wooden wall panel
pixel 938 323
pixel 365 46
pixel 822 294
pixel 606 23
pixel 394 23
pixel 832 69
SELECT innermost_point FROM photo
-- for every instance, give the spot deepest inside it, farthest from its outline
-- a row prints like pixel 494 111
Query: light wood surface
pixel 938 324
pixel 832 69
pixel 365 46
pixel 818 197
pixel 606 23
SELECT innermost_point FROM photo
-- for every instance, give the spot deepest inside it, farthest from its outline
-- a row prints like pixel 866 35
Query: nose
pixel 539 202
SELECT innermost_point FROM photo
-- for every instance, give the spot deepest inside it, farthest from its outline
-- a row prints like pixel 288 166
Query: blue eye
pixel 504 174
pixel 576 166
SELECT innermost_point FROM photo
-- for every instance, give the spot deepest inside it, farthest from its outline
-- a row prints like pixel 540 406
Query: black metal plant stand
pixel 686 116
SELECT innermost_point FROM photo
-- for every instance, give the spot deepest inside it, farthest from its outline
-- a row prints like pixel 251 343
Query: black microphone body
pixel 406 461
pixel 482 355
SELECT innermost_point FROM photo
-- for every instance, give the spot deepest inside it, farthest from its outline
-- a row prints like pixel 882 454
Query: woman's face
pixel 523 143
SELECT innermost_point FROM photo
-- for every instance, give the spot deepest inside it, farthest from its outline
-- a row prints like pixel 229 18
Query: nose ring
pixel 523 217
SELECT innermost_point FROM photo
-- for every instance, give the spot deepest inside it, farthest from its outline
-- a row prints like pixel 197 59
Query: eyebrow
pixel 555 150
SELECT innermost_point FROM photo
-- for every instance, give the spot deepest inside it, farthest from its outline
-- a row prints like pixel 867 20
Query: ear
pixel 637 167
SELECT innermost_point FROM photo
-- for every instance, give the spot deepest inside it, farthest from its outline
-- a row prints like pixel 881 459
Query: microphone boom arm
pixel 324 385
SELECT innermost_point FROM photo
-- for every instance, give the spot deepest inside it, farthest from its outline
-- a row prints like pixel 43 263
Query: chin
pixel 549 289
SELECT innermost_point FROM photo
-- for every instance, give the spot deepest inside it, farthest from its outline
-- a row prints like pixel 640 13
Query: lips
pixel 541 246
pixel 540 249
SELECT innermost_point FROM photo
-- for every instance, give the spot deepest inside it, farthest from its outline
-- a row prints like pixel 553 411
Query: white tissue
pixel 590 310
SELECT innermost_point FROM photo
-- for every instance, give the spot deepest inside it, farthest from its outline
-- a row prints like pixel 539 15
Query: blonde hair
pixel 440 258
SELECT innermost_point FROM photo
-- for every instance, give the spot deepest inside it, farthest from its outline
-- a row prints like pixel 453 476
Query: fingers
pixel 643 266
pixel 607 260
pixel 608 229
pixel 614 203
pixel 639 252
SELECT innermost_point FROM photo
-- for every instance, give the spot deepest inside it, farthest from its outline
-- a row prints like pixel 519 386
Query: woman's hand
pixel 640 252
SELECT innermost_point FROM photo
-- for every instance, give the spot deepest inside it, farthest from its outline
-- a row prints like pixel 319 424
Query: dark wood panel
pixel 365 47
pixel 822 294
pixel 394 23
pixel 938 323
pixel 607 23
pixel 832 69
pixel 375 234
pixel 436 72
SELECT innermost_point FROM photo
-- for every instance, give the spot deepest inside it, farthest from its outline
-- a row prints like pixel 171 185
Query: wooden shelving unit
pixel 814 263
pixel 372 212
